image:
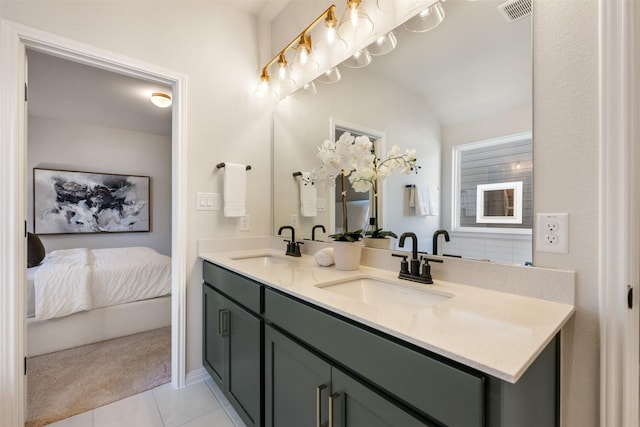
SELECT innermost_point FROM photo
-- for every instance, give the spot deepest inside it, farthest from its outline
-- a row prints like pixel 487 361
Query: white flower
pixel 362 179
pixel 354 157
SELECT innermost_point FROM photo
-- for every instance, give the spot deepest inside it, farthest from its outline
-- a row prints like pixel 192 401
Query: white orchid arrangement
pixel 354 157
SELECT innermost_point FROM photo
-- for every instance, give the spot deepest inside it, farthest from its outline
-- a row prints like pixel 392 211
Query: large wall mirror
pixel 467 80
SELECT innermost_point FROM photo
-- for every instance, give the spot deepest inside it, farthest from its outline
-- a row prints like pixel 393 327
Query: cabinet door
pixel 352 404
pixel 214 354
pixel 244 371
pixel 297 384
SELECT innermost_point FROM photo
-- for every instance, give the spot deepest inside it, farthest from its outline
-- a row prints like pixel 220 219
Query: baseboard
pixel 197 375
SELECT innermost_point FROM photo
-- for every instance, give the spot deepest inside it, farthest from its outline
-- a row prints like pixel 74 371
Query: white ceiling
pixel 66 90
pixel 473 64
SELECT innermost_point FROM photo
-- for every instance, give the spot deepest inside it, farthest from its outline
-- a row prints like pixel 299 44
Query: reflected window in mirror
pixel 493 185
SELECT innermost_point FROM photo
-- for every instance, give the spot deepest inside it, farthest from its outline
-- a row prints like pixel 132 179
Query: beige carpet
pixel 68 382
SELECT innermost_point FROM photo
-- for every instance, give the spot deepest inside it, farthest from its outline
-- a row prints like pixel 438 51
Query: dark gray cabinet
pixel 284 362
pixel 296 382
pixel 303 390
pixel 232 349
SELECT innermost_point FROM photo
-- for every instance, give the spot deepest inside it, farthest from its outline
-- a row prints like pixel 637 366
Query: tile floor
pixel 201 404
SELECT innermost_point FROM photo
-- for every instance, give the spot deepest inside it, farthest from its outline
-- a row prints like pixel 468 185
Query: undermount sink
pixel 381 293
pixel 265 260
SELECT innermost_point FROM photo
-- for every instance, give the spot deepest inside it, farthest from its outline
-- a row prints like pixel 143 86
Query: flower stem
pixel 344 204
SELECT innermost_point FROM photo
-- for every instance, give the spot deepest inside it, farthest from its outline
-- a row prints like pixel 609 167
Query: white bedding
pixel 62 284
pixel 116 276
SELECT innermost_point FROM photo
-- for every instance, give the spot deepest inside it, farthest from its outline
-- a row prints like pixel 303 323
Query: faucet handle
pixel 296 251
pixel 404 265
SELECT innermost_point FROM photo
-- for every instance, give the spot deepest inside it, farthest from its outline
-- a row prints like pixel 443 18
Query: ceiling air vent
pixel 513 10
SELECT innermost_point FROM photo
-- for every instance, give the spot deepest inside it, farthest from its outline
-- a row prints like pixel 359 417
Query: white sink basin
pixel 266 260
pixel 380 293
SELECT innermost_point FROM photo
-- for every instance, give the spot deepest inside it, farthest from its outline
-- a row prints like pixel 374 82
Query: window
pixel 493 186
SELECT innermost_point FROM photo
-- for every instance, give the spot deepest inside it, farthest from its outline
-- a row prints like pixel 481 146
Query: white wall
pixel 565 153
pixel 216 46
pixel 67 145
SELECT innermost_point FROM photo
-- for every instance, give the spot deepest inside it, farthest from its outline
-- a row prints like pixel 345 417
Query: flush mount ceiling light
pixel 383 45
pixel 426 20
pixel 161 100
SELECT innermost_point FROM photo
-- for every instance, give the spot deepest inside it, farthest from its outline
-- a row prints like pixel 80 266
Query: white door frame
pixel 619 214
pixel 14 39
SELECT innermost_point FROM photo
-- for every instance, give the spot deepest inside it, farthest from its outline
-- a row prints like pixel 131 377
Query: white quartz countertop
pixel 498 333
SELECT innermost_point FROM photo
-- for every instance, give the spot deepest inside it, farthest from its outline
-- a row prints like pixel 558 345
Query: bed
pixel 81 296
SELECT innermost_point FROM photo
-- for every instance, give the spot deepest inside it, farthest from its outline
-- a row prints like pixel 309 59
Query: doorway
pixel 16 39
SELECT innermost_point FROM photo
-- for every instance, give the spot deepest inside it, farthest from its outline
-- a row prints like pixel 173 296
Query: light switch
pixel 207 201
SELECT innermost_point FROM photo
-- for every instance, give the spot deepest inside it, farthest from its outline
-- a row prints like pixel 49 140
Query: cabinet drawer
pixel 443 392
pixel 236 287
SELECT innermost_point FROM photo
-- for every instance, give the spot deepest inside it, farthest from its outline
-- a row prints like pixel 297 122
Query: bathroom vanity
pixel 294 344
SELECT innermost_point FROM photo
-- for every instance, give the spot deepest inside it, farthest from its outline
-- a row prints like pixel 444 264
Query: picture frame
pixel 78 202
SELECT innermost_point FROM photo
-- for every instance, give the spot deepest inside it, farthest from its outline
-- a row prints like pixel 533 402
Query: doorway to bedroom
pixel 99 193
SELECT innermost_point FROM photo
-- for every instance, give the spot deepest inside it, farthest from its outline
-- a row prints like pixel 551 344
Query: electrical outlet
pixel 552 233
pixel 245 223
pixel 294 221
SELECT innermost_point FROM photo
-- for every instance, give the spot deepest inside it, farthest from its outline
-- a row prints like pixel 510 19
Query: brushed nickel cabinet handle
pixel 220 332
pixel 332 398
pixel 225 322
pixel 319 390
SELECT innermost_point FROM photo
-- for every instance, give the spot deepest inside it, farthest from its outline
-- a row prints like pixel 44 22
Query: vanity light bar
pixel 303 38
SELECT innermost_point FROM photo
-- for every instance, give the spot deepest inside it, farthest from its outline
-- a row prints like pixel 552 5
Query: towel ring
pixel 221 165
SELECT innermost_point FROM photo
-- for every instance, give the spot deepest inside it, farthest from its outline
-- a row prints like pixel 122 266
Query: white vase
pixel 372 242
pixel 347 255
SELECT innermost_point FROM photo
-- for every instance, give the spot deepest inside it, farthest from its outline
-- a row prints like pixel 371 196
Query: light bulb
pixel 304 56
pixel 331 35
pixel 355 24
pixel 354 15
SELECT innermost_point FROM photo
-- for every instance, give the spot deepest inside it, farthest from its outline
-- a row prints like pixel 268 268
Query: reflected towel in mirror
pixel 308 195
pixel 426 200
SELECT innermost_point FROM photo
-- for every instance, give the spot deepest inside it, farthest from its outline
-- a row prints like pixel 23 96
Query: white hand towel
pixel 324 257
pixel 422 201
pixel 308 196
pixel 235 189
pixel 434 200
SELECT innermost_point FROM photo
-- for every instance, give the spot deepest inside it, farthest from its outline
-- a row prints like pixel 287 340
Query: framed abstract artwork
pixel 73 202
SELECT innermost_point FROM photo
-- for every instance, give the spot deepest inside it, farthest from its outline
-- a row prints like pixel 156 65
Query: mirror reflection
pixel 465 81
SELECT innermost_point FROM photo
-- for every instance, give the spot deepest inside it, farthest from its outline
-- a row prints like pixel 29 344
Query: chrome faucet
pixel 435 239
pixel 313 231
pixel 293 247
